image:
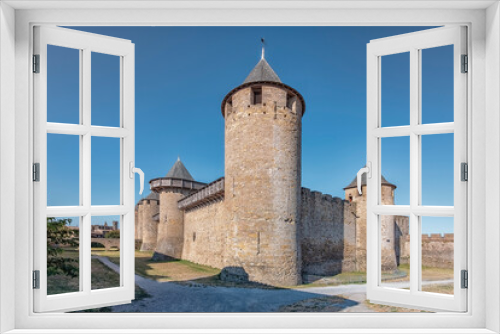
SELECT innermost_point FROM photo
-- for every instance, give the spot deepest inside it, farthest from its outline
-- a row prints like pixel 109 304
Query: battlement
pixel 308 193
pixel 149 202
pixel 447 237
pixel 433 237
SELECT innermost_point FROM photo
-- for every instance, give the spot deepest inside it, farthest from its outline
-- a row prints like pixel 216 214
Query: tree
pixel 59 235
pixel 113 234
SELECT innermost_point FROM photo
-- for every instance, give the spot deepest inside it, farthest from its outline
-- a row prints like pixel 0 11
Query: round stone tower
pixel 150 208
pixel 177 184
pixel 263 124
pixel 138 226
pixel 387 224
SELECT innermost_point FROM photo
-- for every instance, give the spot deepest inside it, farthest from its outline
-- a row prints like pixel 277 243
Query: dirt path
pixel 172 297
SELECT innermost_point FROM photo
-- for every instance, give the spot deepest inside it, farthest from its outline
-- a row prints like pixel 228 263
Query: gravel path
pixel 172 297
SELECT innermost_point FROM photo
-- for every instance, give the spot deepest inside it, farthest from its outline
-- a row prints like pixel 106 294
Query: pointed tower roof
pixel 179 171
pixel 354 183
pixel 262 72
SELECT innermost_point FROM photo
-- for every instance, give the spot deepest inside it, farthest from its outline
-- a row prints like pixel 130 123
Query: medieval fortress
pixel 258 222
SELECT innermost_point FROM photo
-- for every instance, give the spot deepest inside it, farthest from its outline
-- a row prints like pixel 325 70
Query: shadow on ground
pixel 175 298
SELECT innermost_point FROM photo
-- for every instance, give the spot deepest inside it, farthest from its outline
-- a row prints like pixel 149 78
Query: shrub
pixel 113 234
pixel 59 236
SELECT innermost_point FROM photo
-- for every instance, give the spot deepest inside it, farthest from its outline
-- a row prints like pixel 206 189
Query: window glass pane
pixel 437 169
pixel 395 168
pixel 105 264
pixel 63 85
pixel 63 170
pixel 105 171
pixel 395 94
pixel 395 251
pixel 437 84
pixel 105 90
pixel 63 255
pixel 437 254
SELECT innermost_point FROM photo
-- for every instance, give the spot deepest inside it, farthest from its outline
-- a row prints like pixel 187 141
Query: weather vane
pixel 263 46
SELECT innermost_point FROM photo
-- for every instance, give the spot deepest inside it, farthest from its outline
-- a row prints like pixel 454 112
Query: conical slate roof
pixel 262 72
pixel 179 171
pixel 153 196
pixel 354 182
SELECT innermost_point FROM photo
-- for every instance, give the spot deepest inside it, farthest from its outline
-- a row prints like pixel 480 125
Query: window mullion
pixel 414 168
pixel 85 162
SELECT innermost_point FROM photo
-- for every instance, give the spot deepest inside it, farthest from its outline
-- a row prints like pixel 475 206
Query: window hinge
pixel 465 279
pixel 36 279
pixel 36 63
pixel 36 172
pixel 464 171
pixel 465 64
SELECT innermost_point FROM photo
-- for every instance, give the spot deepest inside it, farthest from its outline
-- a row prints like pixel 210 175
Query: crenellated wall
pixel 327 234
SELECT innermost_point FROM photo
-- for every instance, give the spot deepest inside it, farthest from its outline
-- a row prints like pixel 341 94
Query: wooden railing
pixel 164 182
pixel 211 192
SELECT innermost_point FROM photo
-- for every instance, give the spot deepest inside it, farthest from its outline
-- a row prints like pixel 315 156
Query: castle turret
pixel 137 235
pixel 263 124
pixel 149 227
pixel 387 223
pixel 177 184
pixel 138 223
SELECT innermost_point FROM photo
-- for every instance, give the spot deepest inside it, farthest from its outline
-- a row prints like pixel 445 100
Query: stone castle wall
pixel 437 250
pixel 206 235
pixel 327 234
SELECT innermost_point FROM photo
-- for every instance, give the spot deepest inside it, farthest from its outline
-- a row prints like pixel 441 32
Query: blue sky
pixel 183 73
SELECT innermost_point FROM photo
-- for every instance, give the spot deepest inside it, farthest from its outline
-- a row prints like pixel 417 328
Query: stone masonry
pixel 258 223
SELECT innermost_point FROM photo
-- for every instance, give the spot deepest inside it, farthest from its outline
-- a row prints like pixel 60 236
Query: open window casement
pixel 414 294
pixel 82 295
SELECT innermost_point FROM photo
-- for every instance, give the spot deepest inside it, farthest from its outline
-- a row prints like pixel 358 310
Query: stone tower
pixel 149 226
pixel 177 184
pixel 387 223
pixel 263 125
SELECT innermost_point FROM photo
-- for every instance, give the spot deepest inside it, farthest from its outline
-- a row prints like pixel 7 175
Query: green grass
pixel 428 273
pixel 101 277
pixel 386 308
pixel 441 288
pixel 163 271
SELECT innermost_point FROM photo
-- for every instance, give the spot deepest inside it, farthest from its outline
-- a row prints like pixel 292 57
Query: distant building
pixel 100 231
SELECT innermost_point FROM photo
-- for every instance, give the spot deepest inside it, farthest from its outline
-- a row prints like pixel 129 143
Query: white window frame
pixel 85 43
pixel 414 44
pixel 481 17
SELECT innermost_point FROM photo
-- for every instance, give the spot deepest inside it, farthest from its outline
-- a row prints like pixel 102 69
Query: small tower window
pixel 290 99
pixel 194 236
pixel 256 95
pixel 229 107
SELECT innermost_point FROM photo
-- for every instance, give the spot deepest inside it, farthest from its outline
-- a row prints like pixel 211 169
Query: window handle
pixel 134 170
pixel 368 170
